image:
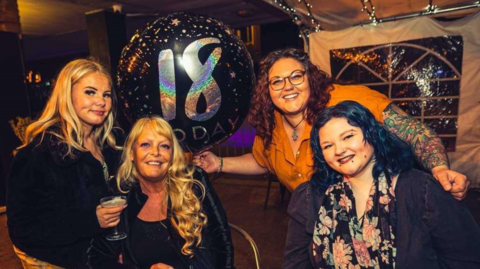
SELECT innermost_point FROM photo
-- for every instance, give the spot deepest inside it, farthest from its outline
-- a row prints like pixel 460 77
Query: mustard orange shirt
pixel 292 169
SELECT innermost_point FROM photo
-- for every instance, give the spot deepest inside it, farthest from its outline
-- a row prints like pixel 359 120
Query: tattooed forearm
pixel 426 145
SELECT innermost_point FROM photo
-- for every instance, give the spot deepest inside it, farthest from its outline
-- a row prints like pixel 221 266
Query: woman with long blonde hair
pixel 59 175
pixel 174 218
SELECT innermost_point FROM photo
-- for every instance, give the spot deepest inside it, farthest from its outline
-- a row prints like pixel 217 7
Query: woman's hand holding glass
pixel 112 219
pixel 109 217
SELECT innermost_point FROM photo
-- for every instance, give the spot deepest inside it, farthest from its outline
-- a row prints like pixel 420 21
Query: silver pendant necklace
pixel 294 133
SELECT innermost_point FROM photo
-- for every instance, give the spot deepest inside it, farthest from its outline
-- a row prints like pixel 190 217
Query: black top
pixel 52 199
pixel 151 244
pixel 433 229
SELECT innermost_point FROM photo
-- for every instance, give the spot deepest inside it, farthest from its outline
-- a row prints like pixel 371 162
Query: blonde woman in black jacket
pixel 59 175
pixel 174 218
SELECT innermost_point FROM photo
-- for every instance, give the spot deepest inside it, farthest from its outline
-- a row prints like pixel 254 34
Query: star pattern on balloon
pixel 175 22
pixel 232 74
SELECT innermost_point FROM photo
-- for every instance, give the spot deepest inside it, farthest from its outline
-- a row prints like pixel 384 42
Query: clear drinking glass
pixel 114 201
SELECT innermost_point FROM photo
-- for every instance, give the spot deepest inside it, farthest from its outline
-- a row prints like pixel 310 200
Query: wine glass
pixel 114 201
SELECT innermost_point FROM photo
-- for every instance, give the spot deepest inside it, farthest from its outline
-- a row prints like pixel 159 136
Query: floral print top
pixel 343 240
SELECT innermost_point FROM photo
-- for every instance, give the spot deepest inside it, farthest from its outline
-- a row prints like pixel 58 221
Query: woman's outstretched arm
pixel 243 165
pixel 427 147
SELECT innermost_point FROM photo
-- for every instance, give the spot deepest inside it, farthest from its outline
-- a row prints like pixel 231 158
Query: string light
pixel 306 26
pixel 315 25
pixel 431 8
pixel 307 23
pixel 369 8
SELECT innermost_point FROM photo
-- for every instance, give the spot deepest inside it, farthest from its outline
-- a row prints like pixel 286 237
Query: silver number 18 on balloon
pixel 200 74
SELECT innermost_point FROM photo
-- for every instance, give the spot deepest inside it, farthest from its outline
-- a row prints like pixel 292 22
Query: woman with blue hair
pixel 366 207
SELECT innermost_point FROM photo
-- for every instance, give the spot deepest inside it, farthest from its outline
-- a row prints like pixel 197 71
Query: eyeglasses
pixel 296 78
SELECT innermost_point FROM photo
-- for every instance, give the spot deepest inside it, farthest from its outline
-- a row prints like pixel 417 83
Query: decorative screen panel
pixel 421 76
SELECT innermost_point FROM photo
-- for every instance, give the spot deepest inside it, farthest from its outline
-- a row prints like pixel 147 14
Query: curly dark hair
pixel 262 108
pixel 392 154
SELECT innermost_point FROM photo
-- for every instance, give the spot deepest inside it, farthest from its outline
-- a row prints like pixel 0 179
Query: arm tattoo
pixel 426 144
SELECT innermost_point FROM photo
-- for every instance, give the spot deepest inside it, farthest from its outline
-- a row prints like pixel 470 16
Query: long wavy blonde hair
pixel 59 110
pixel 187 216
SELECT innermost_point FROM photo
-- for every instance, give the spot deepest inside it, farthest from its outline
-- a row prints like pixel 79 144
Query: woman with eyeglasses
pixel 290 92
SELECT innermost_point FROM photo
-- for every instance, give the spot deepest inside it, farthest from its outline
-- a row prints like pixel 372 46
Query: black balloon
pixel 193 71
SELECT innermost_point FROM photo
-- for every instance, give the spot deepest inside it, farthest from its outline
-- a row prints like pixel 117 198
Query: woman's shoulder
pixel 301 192
pixel 26 155
pixel 355 89
pixel 304 203
pixel 200 175
pixel 197 172
pixel 37 153
pixel 423 185
pixel 51 143
pixel 414 184
pixel 300 198
pixel 40 144
pixel 413 177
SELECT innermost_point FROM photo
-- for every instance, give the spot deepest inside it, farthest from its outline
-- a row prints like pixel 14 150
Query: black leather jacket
pixel 215 251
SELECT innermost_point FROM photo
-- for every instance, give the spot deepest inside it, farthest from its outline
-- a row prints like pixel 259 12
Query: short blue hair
pixel 392 155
